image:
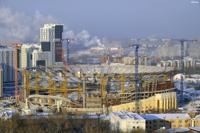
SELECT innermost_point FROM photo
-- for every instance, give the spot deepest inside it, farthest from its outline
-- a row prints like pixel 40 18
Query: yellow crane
pixel 37 83
pixel 64 86
pixel 26 81
pixel 103 86
pixel 51 83
pixel 122 80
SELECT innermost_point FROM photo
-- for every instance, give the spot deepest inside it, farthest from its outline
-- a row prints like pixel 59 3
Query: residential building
pixel 7 63
pixel 127 121
pixel 27 54
pixel 51 44
pixel 49 52
pixel 40 58
pixel 188 63
pixel 169 120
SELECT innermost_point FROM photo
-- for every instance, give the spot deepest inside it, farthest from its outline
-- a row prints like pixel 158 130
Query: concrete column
pixel 58 103
pixel 84 92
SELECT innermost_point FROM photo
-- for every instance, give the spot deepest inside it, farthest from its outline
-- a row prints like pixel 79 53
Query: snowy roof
pixel 118 69
pixel 165 116
pixel 128 115
pixel 195 128
pixel 197 117
pixel 131 115
pixel 178 130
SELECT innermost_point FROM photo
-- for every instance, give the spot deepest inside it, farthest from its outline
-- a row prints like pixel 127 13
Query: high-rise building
pixel 1 82
pixel 7 63
pixel 27 54
pixel 51 43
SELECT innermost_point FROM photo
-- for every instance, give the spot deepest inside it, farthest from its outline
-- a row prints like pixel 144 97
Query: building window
pixel 45 46
pixel 58 52
pixel 40 63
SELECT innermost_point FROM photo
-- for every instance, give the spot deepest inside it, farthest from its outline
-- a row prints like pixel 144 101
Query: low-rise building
pixel 158 121
pixel 196 121
pixel 194 129
pixel 128 121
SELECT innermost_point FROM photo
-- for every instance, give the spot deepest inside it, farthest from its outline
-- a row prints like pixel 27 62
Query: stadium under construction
pixel 80 89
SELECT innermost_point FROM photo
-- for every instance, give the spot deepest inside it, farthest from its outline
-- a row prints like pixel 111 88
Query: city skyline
pixel 112 20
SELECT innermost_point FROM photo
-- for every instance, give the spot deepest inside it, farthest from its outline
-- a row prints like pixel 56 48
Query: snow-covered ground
pixel 191 92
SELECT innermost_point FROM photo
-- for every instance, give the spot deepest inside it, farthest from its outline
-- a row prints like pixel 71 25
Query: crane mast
pixel 137 79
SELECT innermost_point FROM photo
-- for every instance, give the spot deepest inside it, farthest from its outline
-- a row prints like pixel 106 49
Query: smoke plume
pixel 18 26
pixel 84 38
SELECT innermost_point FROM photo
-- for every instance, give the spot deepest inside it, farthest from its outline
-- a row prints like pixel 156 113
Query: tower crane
pixel 137 80
pixel 183 41
pixel 182 48
pixel 68 41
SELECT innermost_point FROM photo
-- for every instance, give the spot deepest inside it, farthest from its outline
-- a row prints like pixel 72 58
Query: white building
pixel 40 58
pixel 49 52
pixel 188 63
pixel 127 121
pixel 27 54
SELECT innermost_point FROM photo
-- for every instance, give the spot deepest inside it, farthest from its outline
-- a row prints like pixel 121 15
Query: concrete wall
pixel 160 103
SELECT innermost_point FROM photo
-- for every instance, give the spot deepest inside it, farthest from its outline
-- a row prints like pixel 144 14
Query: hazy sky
pixel 118 19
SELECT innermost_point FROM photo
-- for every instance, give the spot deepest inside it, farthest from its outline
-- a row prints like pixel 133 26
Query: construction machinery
pixel 137 80
pixel 183 41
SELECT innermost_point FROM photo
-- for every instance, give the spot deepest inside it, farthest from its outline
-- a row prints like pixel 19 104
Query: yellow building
pixel 157 121
pixel 161 102
pixel 128 121
pixel 196 121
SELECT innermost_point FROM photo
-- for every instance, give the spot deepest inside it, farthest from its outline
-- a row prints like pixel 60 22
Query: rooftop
pixel 118 69
pixel 165 116
pixel 195 128
pixel 128 115
pixel 131 115
pixel 178 130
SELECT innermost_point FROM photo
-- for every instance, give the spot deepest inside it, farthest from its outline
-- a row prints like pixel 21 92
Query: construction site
pixel 47 82
pixel 98 89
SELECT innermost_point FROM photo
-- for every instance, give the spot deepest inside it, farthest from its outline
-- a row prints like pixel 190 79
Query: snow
pixel 165 116
pixel 128 115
